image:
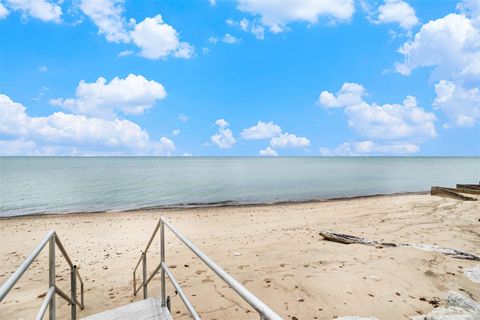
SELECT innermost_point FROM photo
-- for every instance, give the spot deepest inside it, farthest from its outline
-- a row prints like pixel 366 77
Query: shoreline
pixel 220 204
pixel 275 251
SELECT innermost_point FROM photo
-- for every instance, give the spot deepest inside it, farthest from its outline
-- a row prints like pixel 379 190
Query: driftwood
pixel 349 239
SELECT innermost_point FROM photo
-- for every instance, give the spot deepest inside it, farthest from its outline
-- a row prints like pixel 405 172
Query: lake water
pixel 63 184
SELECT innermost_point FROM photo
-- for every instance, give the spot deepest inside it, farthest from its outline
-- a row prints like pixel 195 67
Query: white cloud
pixel 224 138
pixel 262 130
pixel 42 69
pixel 41 9
pixel 3 11
pixel 270 130
pixel 182 117
pixel 213 2
pixel 107 16
pixel 397 11
pixel 68 134
pixel 461 105
pixel 228 38
pixel 132 95
pixel 213 40
pixel 125 53
pixel 286 140
pixel 349 94
pixel 388 121
pixel 470 8
pixel 175 132
pixel 392 121
pixel 451 46
pixel 156 39
pixel 277 14
pixel 369 147
pixel 248 26
pixel 268 152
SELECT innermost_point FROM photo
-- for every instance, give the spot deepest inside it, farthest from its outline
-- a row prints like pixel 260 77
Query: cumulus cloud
pixel 44 10
pixel 350 94
pixel 278 139
pixel 288 140
pixel 392 121
pixel 369 147
pixel 69 134
pixel 451 46
pixel 388 121
pixel 262 130
pixel 3 11
pixel 461 105
pixel 277 14
pixel 132 95
pixel 401 127
pixel 224 138
pixel 155 38
pixel 397 11
pixel 268 152
pixel 470 8
pixel 107 16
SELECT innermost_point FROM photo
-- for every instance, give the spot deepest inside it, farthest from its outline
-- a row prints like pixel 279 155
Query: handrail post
pixel 134 285
pixel 162 261
pixel 144 264
pixel 81 298
pixel 51 275
pixel 73 288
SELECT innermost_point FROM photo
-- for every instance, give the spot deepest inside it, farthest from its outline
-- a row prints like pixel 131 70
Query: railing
pixel 263 310
pixel 52 239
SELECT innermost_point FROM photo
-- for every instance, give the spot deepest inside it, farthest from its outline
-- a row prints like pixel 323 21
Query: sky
pixel 240 78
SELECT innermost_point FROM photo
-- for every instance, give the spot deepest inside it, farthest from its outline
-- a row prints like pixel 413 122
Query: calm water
pixel 59 185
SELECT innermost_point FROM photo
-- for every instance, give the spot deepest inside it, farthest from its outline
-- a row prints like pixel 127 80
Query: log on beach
pixel 349 239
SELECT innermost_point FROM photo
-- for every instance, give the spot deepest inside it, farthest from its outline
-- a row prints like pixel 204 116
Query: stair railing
pixel 263 310
pixel 49 302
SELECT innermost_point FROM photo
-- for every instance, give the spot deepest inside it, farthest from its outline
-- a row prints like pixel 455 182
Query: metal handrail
pixel 49 302
pixel 263 310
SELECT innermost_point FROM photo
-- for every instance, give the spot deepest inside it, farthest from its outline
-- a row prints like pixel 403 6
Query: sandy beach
pixel 274 250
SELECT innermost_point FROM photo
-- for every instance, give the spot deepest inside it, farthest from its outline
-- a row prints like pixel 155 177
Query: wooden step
pixel 148 309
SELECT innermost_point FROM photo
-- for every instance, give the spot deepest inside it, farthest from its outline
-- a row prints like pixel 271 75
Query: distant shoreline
pixel 220 204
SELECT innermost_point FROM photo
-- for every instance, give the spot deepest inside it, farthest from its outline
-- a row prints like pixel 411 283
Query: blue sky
pixel 246 77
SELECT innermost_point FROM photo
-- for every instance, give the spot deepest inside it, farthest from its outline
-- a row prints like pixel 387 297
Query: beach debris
pixel 473 273
pixel 236 254
pixel 349 239
pixel 457 306
pixel 458 192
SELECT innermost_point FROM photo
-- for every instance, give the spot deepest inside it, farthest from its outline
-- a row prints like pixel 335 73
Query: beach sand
pixel 274 250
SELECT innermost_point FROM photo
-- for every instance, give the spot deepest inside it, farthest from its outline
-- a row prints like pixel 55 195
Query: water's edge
pixel 220 204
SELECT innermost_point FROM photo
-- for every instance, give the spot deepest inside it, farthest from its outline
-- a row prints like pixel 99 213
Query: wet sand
pixel 274 250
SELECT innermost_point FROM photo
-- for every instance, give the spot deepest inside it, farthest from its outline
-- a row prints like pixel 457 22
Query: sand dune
pixel 275 251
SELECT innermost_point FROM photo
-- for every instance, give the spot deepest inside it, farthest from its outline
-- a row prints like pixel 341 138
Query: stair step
pixel 148 309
